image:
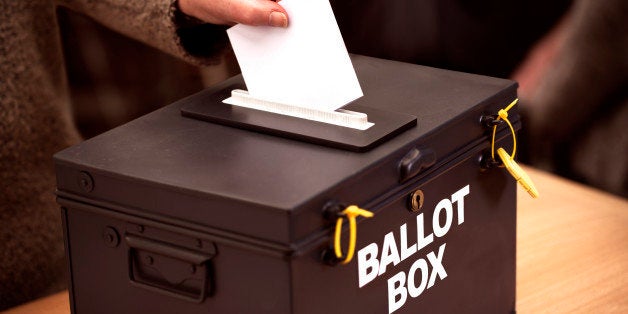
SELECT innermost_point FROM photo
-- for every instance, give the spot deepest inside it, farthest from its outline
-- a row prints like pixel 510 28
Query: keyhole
pixel 416 200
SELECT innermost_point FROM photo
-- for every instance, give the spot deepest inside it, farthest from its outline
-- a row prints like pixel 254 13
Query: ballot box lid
pixel 239 182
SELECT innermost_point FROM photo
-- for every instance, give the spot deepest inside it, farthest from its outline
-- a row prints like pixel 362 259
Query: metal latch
pixel 414 162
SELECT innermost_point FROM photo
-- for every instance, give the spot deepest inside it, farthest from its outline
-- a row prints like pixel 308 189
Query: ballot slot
pixel 209 106
pixel 339 117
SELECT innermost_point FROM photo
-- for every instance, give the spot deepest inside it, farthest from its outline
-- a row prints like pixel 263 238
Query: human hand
pixel 229 12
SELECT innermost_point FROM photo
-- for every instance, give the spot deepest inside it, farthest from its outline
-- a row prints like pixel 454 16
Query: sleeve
pixel 160 24
pixel 590 69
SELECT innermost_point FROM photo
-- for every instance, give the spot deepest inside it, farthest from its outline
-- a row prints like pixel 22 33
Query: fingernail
pixel 278 19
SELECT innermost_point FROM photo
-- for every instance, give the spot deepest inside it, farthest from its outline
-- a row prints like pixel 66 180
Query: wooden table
pixel 572 254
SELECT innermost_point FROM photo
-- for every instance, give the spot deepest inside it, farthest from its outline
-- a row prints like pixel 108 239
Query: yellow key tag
pixel 519 174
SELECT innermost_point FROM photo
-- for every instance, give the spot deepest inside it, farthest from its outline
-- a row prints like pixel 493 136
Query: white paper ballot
pixel 305 65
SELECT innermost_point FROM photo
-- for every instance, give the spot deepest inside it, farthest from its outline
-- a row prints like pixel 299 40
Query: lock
pixel 416 201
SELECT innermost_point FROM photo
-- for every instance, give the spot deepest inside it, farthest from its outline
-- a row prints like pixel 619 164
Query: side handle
pixel 168 269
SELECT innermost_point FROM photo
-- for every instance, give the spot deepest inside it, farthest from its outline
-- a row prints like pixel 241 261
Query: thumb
pixel 259 13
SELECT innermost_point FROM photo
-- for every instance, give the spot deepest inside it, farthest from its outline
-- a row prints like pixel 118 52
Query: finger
pixel 229 12
pixel 207 11
pixel 258 12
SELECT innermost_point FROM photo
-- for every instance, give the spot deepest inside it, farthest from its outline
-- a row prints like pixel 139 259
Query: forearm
pixel 157 23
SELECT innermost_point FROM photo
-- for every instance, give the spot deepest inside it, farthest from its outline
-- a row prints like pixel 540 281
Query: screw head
pixel 85 181
pixel 110 237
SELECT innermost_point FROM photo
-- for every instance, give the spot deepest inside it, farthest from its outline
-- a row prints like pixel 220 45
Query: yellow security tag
pixel 509 160
pixel 519 174
pixel 351 213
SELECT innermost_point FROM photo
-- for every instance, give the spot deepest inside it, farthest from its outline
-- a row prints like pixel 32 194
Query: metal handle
pixel 168 269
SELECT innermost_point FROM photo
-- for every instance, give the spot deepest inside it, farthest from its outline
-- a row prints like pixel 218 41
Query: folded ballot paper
pixel 305 65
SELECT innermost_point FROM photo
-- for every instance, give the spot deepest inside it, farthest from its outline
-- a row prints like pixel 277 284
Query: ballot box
pixel 205 207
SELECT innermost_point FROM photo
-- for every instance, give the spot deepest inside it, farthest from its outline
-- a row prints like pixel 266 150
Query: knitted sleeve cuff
pixel 198 39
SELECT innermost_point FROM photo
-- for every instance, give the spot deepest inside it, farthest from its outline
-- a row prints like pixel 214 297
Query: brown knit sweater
pixel 35 122
pixel 577 116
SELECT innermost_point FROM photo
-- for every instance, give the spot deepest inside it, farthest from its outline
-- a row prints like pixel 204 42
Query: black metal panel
pixel 478 257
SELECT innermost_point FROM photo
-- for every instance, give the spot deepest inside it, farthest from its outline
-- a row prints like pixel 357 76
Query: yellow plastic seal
pixel 351 213
pixel 519 174
pixel 509 160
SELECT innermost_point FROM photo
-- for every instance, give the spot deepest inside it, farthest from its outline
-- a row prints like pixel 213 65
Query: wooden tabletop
pixel 572 254
pixel 572 249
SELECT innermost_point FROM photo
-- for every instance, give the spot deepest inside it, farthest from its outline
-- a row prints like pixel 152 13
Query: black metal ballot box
pixel 202 207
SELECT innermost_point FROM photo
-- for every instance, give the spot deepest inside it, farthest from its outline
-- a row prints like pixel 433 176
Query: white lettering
pixel 390 254
pixel 413 290
pixel 406 251
pixel 422 241
pixel 367 264
pixel 397 291
pixel 458 198
pixel 411 284
pixel 437 266
pixel 396 288
pixel 439 230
